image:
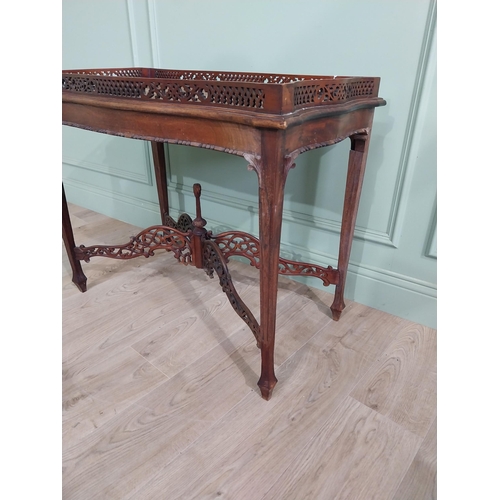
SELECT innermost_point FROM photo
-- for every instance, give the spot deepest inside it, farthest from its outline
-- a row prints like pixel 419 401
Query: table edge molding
pixel 243 117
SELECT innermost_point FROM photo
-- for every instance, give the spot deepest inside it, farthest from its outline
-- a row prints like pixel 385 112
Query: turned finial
pixel 199 222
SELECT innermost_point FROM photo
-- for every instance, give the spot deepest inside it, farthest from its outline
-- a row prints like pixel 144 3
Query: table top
pixel 275 94
pixel 230 112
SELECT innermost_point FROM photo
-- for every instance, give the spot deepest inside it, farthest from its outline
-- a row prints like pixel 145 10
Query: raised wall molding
pixel 389 237
pixel 153 31
pixel 144 177
pixel 113 195
pixel 400 196
pixel 133 32
pixel 293 216
pixel 431 246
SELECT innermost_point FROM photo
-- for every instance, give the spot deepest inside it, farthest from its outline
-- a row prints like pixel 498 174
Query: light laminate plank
pixel 215 319
pixel 124 317
pixel 119 457
pixel 356 455
pixel 256 440
pixel 97 394
pixel 157 318
pixel 167 420
pixel 402 384
pixel 192 334
pixel 205 432
pixel 421 479
pixel 124 281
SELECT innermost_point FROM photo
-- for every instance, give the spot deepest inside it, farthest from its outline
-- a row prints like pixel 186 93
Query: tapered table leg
pixel 159 162
pixel 272 175
pixel 79 279
pixel 355 174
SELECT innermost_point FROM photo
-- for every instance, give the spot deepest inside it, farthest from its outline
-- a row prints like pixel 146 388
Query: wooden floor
pixel 160 398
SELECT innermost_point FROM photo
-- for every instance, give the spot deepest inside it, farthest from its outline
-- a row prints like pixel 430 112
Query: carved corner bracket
pixel 290 161
pixel 255 162
pixel 183 224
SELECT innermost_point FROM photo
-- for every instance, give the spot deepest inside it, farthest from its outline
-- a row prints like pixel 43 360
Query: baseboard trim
pixel 129 209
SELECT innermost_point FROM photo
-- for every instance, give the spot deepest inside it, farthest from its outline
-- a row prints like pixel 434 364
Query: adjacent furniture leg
pixel 199 231
pixel 158 149
pixel 79 279
pixel 355 173
pixel 272 175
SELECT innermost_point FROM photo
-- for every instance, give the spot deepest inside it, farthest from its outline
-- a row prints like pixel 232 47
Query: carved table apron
pixel 304 113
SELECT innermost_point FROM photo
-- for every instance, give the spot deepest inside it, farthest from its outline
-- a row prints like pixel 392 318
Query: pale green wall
pixel 393 263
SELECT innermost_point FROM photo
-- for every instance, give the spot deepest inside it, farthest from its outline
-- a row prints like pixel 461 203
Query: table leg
pixel 159 162
pixel 79 279
pixel 272 176
pixel 355 173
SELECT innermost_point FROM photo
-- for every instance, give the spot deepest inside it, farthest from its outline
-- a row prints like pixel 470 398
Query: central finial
pixel 199 222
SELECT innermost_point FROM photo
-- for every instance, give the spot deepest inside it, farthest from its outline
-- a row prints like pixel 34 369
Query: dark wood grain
pixel 355 174
pixel 258 92
pixel 158 150
pixel 79 278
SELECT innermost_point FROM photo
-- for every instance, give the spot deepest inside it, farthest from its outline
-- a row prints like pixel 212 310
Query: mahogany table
pixel 269 120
